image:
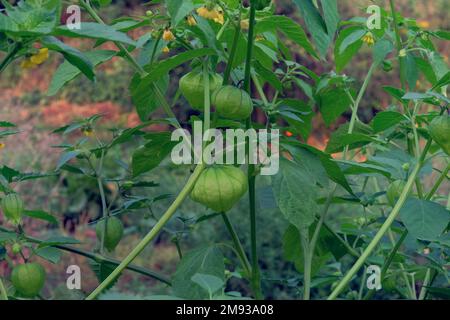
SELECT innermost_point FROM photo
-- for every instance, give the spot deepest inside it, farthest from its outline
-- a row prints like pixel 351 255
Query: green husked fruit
pixel 232 103
pixel 16 248
pixel 114 232
pixel 12 207
pixel 28 279
pixel 440 132
pixel 193 89
pixel 394 191
pixel 220 187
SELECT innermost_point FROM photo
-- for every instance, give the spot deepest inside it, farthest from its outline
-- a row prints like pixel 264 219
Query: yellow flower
pixel 168 35
pixel 259 38
pixel 88 132
pixel 166 50
pixel 423 24
pixel 39 57
pixel 2 145
pixel 212 14
pixel 369 39
pixel 245 24
pixel 27 64
pixel 191 21
pixel 402 53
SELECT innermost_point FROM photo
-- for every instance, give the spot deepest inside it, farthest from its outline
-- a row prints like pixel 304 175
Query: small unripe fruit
pixel 16 248
pixel 440 132
pixel 232 103
pixel 28 279
pixel 114 232
pixel 12 207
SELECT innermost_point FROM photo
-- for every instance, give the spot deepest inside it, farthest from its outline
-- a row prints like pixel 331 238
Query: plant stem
pixel 426 281
pixel 386 225
pixel 153 232
pixel 398 41
pixel 9 57
pixel 227 73
pixel 3 293
pixel 237 244
pixel 351 127
pixel 256 274
pixel 307 264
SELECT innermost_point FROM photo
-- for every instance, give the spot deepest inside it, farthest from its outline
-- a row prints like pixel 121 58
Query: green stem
pixel 307 264
pixel 256 274
pixel 9 57
pixel 398 41
pixel 152 234
pixel 386 225
pixel 227 73
pixel 426 281
pixel 237 244
pixel 3 293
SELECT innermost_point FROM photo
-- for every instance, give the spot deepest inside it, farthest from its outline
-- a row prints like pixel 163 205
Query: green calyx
pixel 220 187
pixel 440 132
pixel 13 207
pixel 114 232
pixel 28 279
pixel 192 87
pixel 232 103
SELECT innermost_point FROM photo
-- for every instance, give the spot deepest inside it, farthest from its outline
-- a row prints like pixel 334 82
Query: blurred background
pixel 76 201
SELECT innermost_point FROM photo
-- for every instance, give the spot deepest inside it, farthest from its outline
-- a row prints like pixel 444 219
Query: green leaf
pixel 148 157
pixel 356 35
pixel 288 27
pixel 395 93
pixel 72 55
pixel 42 215
pixel 58 240
pixel 66 72
pixel 95 31
pixel 178 9
pixel 322 31
pixel 304 112
pixel 386 119
pixel 206 261
pixel 102 270
pixel 50 254
pixel 445 80
pixel 425 220
pixel 381 49
pixel 344 57
pixel 146 102
pixel 412 72
pixel 268 75
pixel 332 103
pixel 338 142
pixel 7 236
pixel 295 194
pixel 210 283
pixel 66 157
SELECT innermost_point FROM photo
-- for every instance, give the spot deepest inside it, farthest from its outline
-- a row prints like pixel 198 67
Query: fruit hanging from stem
pixel 28 279
pixel 192 87
pixel 232 103
pixel 220 187
pixel 114 232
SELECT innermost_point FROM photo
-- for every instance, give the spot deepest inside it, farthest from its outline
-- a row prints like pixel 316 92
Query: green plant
pixel 28 279
pixel 362 165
